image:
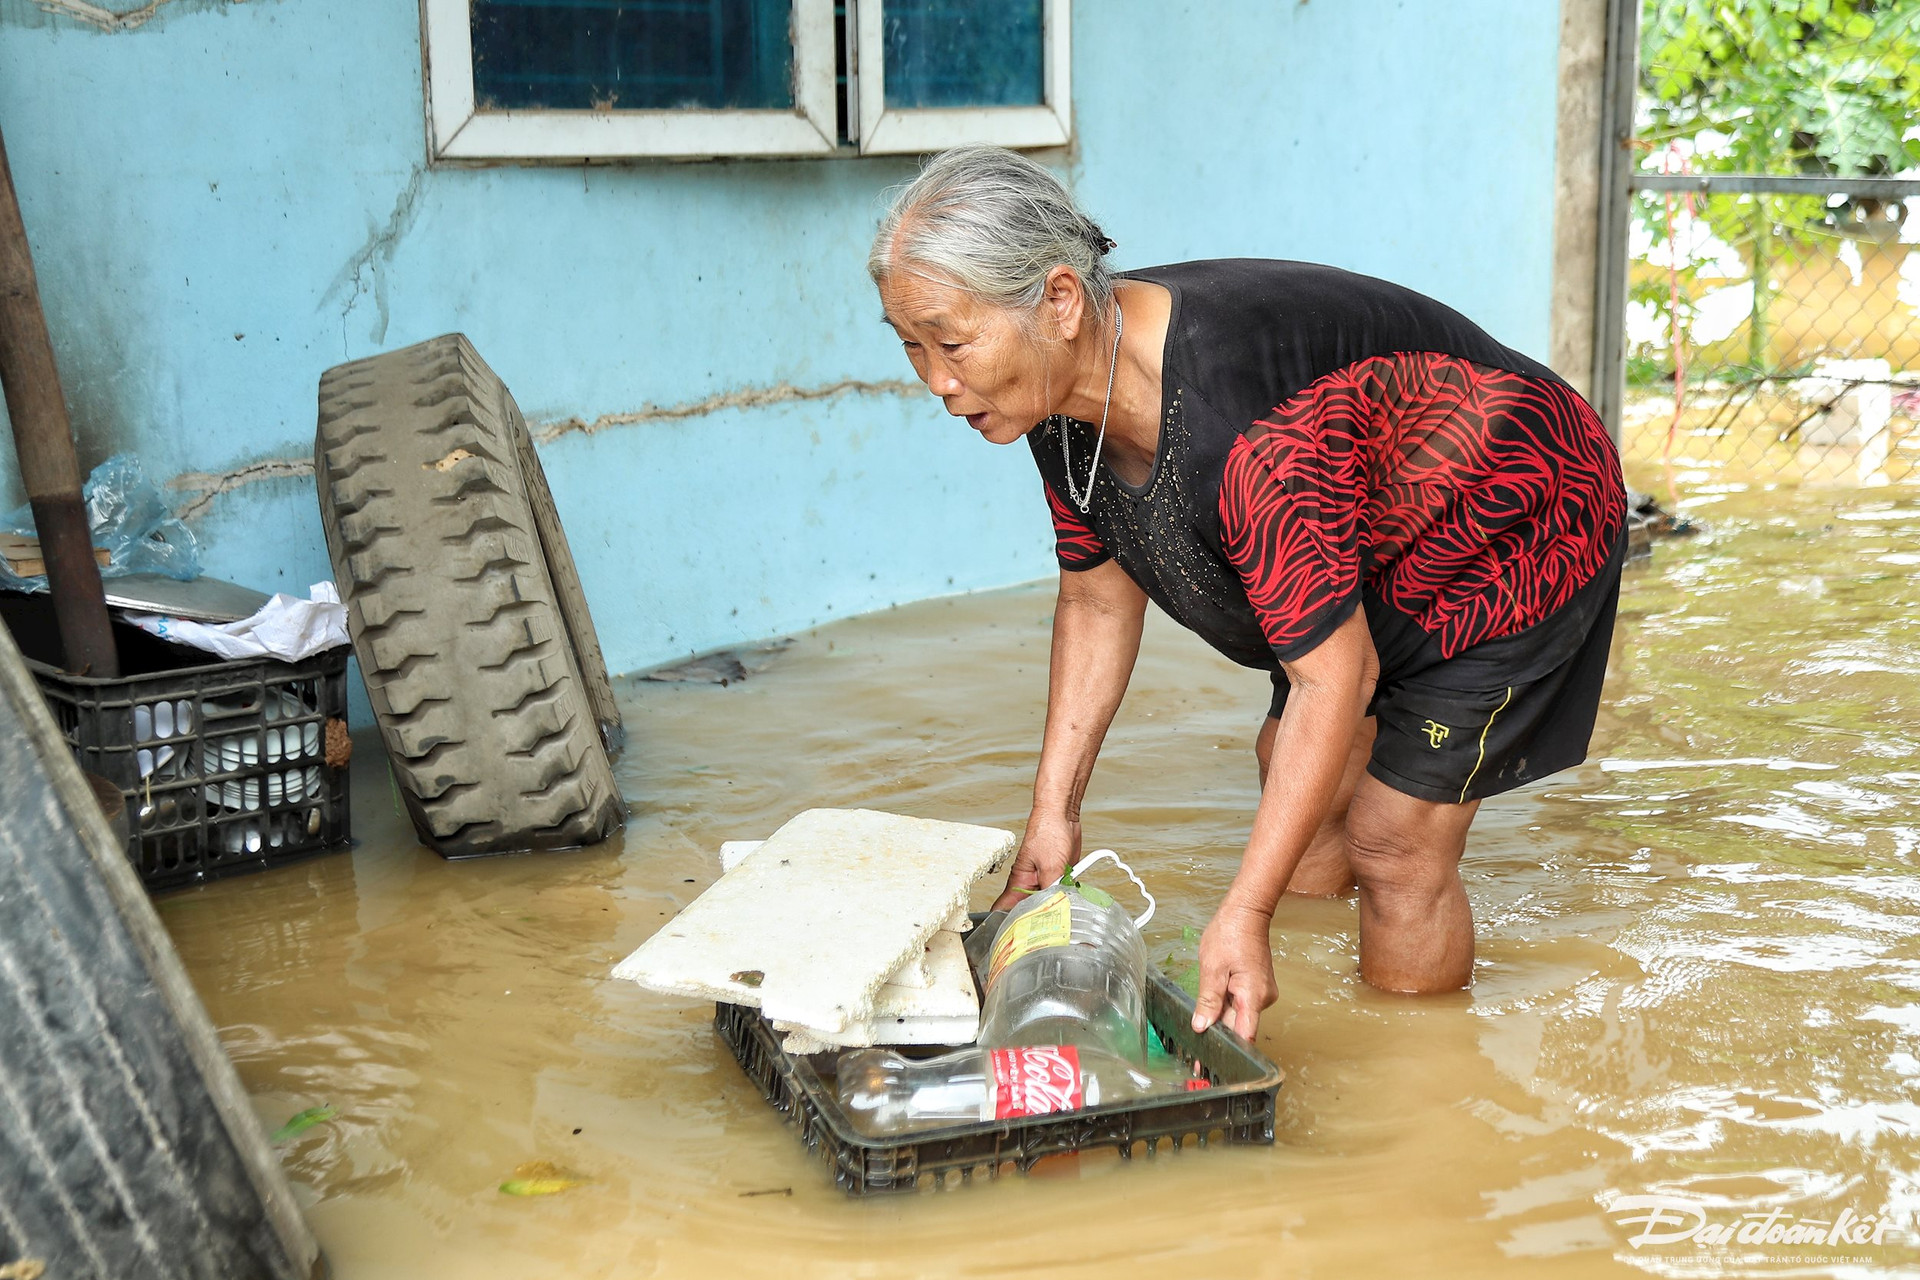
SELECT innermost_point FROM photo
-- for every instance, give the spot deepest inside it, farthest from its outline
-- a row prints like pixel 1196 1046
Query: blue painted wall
pixel 234 196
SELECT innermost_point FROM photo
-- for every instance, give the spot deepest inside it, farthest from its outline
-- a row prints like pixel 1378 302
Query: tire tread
pixel 488 713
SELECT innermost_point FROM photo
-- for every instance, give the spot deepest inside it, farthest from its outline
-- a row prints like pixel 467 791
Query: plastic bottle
pixel 885 1093
pixel 1068 967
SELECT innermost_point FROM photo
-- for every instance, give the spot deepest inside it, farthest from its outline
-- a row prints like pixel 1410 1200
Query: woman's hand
pixel 1052 845
pixel 1236 970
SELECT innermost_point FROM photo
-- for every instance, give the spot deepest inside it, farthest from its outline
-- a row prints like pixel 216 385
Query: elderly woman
pixel 1415 529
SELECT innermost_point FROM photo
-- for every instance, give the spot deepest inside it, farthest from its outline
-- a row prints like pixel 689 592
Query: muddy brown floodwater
pixel 1698 973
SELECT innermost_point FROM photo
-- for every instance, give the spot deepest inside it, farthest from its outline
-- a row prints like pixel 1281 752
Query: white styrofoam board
pixel 732 851
pixel 947 1012
pixel 812 926
pixel 914 973
pixel 911 1031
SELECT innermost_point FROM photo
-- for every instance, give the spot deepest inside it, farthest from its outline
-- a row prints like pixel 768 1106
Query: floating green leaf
pixel 304 1121
pixel 1097 896
pixel 542 1178
pixel 1189 934
pixel 1189 981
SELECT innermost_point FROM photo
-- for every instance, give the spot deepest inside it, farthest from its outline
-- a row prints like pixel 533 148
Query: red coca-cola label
pixel 1036 1081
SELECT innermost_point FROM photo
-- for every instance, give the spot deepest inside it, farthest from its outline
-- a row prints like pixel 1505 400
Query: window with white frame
pixel 582 80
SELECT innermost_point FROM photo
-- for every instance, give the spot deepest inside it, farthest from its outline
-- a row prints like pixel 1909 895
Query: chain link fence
pixel 1773 306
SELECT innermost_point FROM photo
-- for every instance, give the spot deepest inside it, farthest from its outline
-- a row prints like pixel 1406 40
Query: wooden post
pixel 43 440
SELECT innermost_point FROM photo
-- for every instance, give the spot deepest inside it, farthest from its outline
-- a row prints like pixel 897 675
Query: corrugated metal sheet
pixel 127 1147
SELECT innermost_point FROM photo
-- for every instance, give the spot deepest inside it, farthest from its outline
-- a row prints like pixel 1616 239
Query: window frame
pixel 913 130
pixel 458 131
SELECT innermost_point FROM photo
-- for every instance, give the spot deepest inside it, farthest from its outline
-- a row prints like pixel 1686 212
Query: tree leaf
pixel 1096 895
pixel 542 1178
pixel 303 1121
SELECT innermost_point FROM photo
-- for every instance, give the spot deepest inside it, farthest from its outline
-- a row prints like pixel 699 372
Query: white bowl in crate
pixel 275 744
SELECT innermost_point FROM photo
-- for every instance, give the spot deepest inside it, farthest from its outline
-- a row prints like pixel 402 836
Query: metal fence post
pixel 1616 170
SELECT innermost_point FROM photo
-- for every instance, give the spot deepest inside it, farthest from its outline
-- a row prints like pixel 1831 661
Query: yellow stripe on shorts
pixel 1483 745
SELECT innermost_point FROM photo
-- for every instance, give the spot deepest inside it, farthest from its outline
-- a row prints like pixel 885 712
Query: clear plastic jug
pixel 1068 967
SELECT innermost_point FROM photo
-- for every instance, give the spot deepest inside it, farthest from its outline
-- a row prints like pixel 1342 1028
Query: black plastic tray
pixel 1238 1108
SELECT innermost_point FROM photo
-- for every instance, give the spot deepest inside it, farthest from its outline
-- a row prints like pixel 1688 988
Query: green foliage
pixel 1788 87
pixel 1822 86
pixel 1646 369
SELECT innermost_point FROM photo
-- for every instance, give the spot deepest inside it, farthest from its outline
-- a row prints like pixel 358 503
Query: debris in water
pixel 542 1178
pixel 723 666
pixel 748 977
pixel 770 1191
pixel 304 1121
pixel 1188 980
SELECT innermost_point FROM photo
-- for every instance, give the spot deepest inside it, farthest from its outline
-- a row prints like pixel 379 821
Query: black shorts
pixel 1501 713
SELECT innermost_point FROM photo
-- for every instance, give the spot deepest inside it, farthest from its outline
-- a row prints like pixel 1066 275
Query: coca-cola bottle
pixel 885 1093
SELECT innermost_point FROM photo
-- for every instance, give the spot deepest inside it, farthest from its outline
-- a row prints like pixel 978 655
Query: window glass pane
pixel 632 54
pixel 963 53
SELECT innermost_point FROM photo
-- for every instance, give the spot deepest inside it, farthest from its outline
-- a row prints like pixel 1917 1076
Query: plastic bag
pixel 129 518
pixel 286 627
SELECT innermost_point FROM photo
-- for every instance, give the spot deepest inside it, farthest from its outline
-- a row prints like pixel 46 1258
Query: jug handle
pixel 1139 921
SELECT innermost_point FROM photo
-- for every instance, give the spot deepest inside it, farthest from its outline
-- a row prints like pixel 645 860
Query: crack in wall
pixel 206 486
pixel 98 17
pixel 366 270
pixel 748 398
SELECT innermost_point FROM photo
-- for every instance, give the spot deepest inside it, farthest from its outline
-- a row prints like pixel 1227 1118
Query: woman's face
pixel 980 360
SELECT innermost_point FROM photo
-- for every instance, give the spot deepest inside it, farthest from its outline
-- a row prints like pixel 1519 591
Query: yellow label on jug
pixel 1050 925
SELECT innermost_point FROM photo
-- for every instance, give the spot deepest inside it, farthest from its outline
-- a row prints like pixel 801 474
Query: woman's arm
pixel 1096 637
pixel 1330 688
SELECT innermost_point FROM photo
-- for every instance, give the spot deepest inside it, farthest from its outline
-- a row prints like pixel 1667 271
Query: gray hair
pixel 993 223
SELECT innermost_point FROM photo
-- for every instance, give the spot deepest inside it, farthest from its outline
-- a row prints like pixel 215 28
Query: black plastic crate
pixel 1238 1108
pixel 223 765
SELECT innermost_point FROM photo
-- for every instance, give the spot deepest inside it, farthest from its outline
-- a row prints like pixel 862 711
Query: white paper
pixel 286 627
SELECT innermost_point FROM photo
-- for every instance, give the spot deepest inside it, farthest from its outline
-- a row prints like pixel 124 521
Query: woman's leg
pixel 1416 928
pixel 1324 871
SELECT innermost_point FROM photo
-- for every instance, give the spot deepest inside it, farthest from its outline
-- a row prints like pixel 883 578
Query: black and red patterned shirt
pixel 1327 441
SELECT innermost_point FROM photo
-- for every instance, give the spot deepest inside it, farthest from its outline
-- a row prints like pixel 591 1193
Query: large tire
pixel 466 614
pixel 566 586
